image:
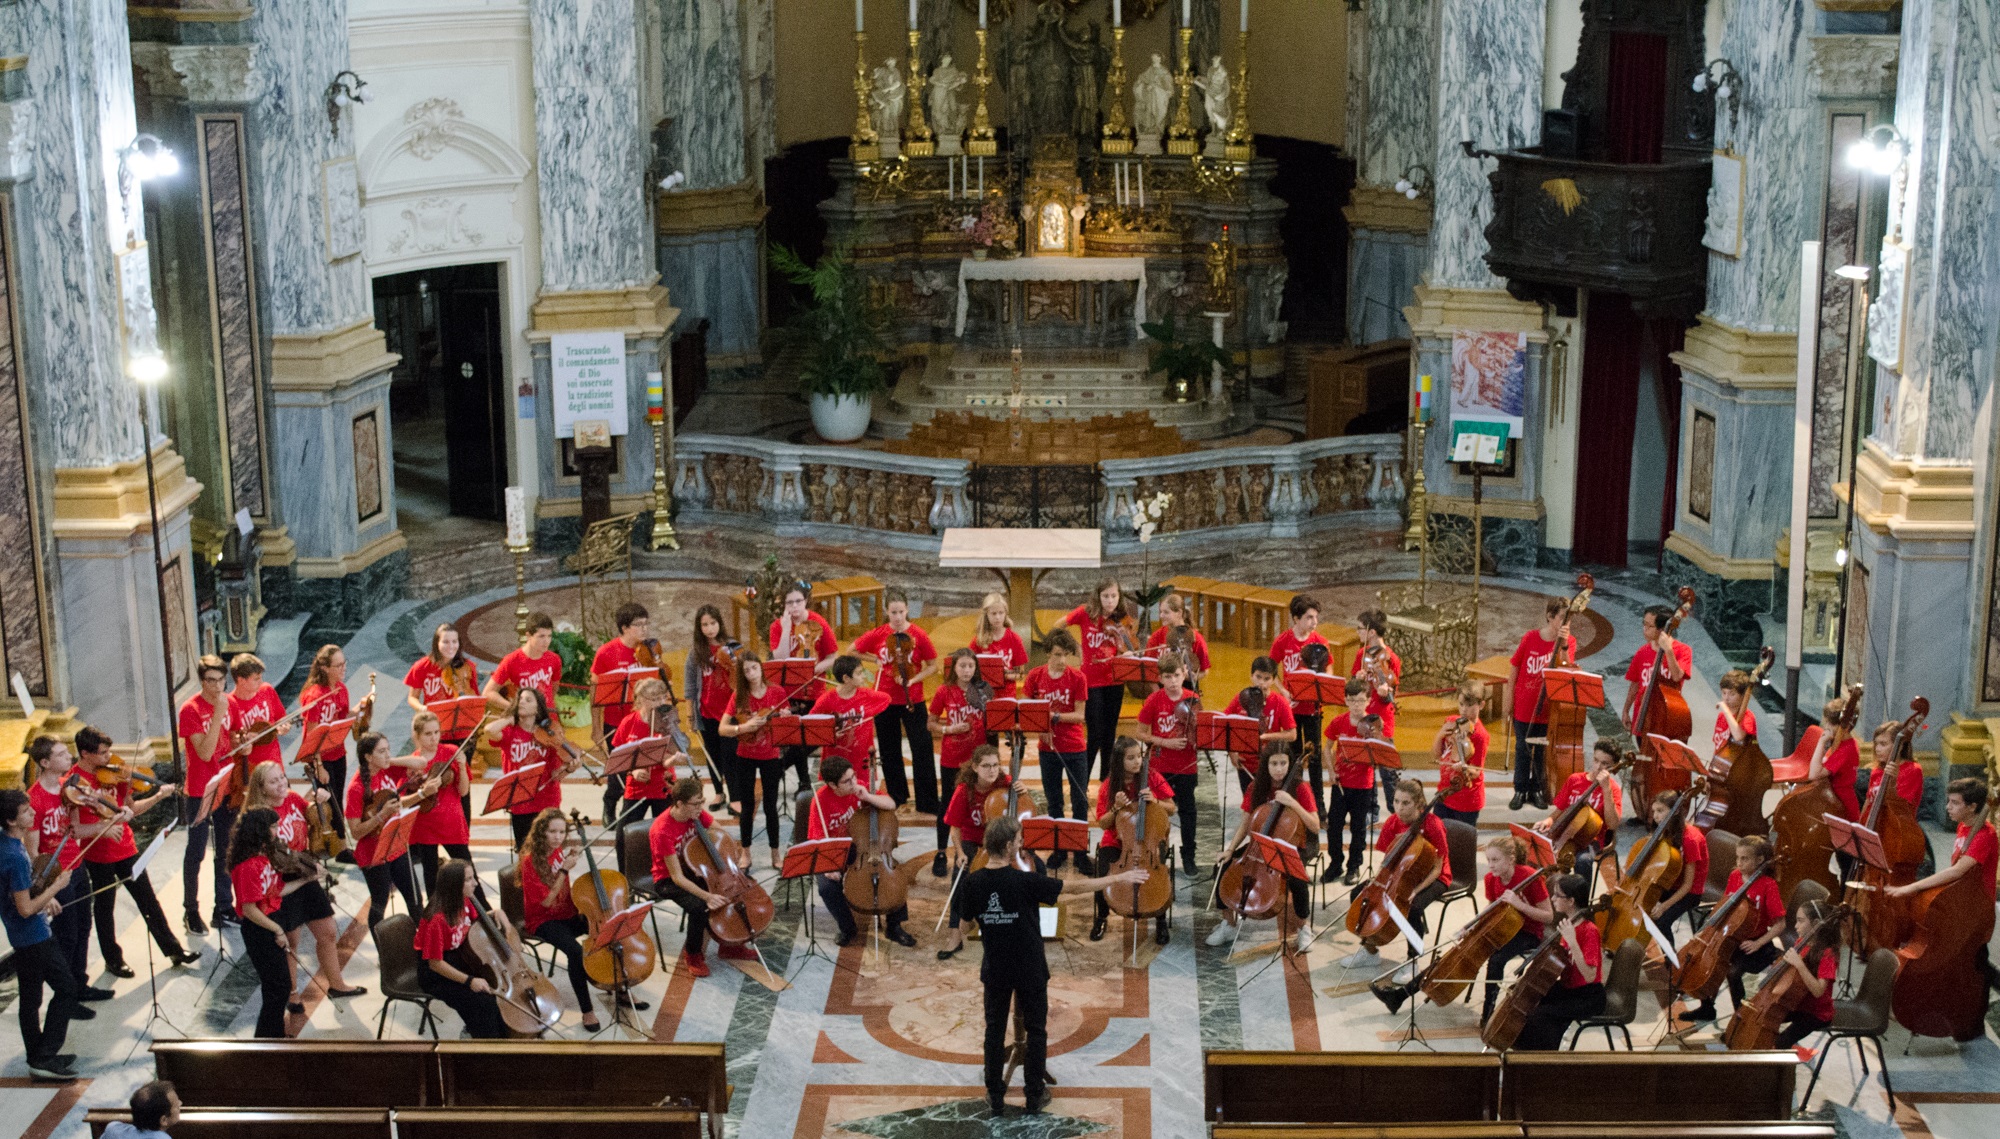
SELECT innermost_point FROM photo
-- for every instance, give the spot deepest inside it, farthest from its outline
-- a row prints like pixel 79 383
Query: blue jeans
pixel 1075 764
pixel 219 823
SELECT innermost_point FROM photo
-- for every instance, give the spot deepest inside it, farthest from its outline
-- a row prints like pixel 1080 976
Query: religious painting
pixel 344 230
pixel 1854 647
pixel 1489 378
pixel 1701 465
pixel 1885 315
pixel 180 647
pixel 137 320
pixel 368 496
pixel 1724 229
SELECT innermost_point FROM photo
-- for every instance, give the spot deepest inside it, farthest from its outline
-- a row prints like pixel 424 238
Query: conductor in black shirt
pixel 1005 901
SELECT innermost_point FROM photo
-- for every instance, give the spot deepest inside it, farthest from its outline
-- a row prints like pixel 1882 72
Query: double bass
pixel 1798 823
pixel 1575 830
pixel 1141 825
pixel 529 1003
pixel 1407 866
pixel 597 895
pixel 1705 961
pixel 1482 937
pixel 1756 1025
pixel 1738 776
pixel 872 882
pixel 1653 868
pixel 1659 709
pixel 1563 753
pixel 1539 973
pixel 1940 988
pixel 1881 920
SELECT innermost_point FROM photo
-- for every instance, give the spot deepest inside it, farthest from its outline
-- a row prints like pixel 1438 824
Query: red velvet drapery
pixel 1636 103
pixel 1612 349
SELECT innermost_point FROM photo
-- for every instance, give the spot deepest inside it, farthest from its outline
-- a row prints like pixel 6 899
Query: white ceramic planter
pixel 841 418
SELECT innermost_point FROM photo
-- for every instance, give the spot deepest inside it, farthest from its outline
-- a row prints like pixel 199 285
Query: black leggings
pixel 379 879
pixel 723 764
pixel 563 933
pixel 272 959
pixel 426 854
pixel 479 1011
pixel 1755 961
pixel 104 909
pixel 1552 1018
pixel 336 785
pixel 1521 945
pixel 522 824
pixel 1309 746
pixel 1100 725
pixel 891 725
pixel 749 772
pixel 835 900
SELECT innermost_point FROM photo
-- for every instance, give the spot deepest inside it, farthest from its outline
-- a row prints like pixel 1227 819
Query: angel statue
pixel 948 110
pixel 1215 101
pixel 1151 96
pixel 885 103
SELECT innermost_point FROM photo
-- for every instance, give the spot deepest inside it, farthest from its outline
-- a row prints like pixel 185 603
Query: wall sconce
pixel 1881 151
pixel 1415 182
pixel 1720 75
pixel 673 181
pixel 142 160
pixel 347 87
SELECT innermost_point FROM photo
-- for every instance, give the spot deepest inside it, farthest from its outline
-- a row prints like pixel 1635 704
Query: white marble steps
pixel 1056 384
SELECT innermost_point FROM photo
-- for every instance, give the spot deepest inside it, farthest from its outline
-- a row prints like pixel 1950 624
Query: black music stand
pixel 803 861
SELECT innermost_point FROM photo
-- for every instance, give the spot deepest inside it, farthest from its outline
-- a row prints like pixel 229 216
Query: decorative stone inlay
pixel 17 140
pixel 434 123
pixel 1854 66
pixel 217 73
pixel 431 225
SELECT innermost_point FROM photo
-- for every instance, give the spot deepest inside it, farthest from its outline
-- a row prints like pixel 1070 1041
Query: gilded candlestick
pixel 864 145
pixel 520 553
pixel 918 141
pixel 1416 536
pixel 1237 144
pixel 663 500
pixel 980 140
pixel 1117 129
pixel 1180 136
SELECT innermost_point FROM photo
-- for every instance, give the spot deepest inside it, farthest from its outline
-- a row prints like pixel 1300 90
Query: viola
pixel 115 772
pixel 442 764
pixel 1757 1022
pixel 597 895
pixel 1123 626
pixel 1482 937
pixel 722 869
pixel 1408 865
pixel 1251 887
pixel 1940 990
pixel 552 737
pixel 872 882
pixel 1141 825
pixel 1705 961
pixel 1738 776
pixel 323 840
pixel 1660 709
pixel 1539 973
pixel 1880 919
pixel 1563 753
pixel 529 1002
pixel 1798 823
pixel 902 651
pixel 86 796
pixel 1653 868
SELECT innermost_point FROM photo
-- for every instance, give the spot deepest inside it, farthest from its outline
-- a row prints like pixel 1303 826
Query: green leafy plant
pixel 843 333
pixel 569 644
pixel 1186 361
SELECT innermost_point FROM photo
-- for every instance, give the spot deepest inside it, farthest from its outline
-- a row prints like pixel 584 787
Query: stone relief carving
pixel 434 124
pixel 431 225
pixel 17 139
pixel 1854 66
pixel 217 73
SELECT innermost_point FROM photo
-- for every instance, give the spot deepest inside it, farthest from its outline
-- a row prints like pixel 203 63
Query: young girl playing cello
pixel 956 722
pixel 967 814
pixel 1580 992
pixel 547 912
pixel 1278 782
pixel 442 929
pixel 1128 756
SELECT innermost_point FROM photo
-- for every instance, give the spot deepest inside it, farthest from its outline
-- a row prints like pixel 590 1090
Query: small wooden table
pixel 1021 558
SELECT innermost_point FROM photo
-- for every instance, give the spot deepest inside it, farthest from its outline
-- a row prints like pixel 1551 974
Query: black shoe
pixel 1514 804
pixel 1352 877
pixel 902 937
pixel 636 1004
pixel 938 867
pixel 51 1069
pixel 1701 1013
pixel 1161 934
pixel 296 1008
pixel 81 1012
pixel 194 924
pixel 1187 863
pixel 847 938
pixel 66 1059
pixel 1391 996
pixel 1097 927
pixel 1330 873
pixel 1541 799
pixel 346 858
pixel 119 969
pixel 1037 1100
pixel 93 993
pixel 1058 860
pixel 221 918
pixel 996 1106
pixel 184 957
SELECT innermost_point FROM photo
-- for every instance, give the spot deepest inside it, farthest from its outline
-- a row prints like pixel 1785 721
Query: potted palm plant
pixel 842 336
pixel 1186 362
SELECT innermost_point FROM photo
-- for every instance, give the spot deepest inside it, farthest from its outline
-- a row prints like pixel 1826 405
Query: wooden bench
pixel 487 1073
pixel 1607 1087
pixel 299 1074
pixel 1350 1087
pixel 1365 1131
pixel 424 1123
pixel 1266 613
pixel 1740 1129
pixel 852 605
pixel 205 1123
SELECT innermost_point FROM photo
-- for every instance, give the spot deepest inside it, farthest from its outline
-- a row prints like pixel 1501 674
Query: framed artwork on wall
pixel 368 492
pixel 1701 465
pixel 1724 229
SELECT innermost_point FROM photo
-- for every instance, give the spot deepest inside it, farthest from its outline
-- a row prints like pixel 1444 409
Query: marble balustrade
pixel 1245 492
pixel 904 501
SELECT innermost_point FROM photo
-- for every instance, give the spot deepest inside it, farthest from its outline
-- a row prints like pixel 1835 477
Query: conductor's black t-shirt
pixel 1004 901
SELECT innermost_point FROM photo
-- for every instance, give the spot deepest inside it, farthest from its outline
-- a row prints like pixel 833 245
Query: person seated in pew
pixel 155 1107
pixel 446 921
pixel 1579 993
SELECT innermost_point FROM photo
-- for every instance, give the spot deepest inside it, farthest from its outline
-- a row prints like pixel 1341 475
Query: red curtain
pixel 1612 351
pixel 1667 337
pixel 1636 104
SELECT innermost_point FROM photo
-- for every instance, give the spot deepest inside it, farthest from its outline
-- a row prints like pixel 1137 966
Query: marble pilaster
pixel 1493 56
pixel 1394 131
pixel 590 144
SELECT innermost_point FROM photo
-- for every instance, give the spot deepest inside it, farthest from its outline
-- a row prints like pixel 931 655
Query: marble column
pixel 1921 578
pixel 329 364
pixel 1489 69
pixel 597 242
pixel 711 228
pixel 84 285
pixel 1392 132
pixel 1739 369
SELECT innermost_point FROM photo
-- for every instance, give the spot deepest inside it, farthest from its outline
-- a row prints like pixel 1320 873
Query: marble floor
pixel 877 1040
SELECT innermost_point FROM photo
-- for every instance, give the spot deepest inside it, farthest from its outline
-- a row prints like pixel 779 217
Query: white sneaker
pixel 1362 956
pixel 1221 934
pixel 1304 939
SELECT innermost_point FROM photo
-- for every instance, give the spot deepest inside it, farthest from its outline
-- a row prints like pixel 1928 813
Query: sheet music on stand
pixel 638 755
pixel 1403 923
pixel 612 688
pixel 1856 841
pixel 1041 832
pixel 1541 852
pixel 1573 686
pixel 1306 686
pixel 1134 668
pixel 1660 939
pixel 152 850
pixel 517 786
pixel 211 796
pixel 457 715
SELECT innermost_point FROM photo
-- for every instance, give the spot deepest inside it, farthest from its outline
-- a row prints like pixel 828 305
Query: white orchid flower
pixel 1146 532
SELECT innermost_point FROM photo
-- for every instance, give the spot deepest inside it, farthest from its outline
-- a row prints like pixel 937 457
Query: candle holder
pixel 1117 129
pixel 864 145
pixel 918 141
pixel 663 500
pixel 1237 145
pixel 1416 536
pixel 979 140
pixel 520 553
pixel 1180 136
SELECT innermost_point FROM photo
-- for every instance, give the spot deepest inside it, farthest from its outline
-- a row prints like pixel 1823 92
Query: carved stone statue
pixel 949 112
pixel 1152 94
pixel 885 104
pixel 1215 101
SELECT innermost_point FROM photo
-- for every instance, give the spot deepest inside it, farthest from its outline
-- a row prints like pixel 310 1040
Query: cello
pixel 627 961
pixel 1539 973
pixel 1798 823
pixel 722 869
pixel 1738 776
pixel 1779 993
pixel 1705 961
pixel 1575 830
pixel 1482 937
pixel 1881 920
pixel 529 1003
pixel 1005 803
pixel 1250 885
pixel 1563 753
pixel 1653 866
pixel 872 883
pixel 1141 825
pixel 1660 709
pixel 1407 866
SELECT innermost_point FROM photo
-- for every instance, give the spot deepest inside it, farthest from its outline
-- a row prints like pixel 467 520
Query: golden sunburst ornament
pixel 1565 193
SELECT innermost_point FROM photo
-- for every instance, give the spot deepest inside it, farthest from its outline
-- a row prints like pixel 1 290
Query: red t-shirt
pixel 854 722
pixel 1098 645
pixel 950 707
pixel 445 821
pixel 539 900
pixel 1909 782
pixel 830 812
pixel 324 706
pixel 52 825
pixel 1287 650
pixel 1299 791
pixel 1641 667
pixel 1694 858
pixel 1841 763
pixel 116 845
pixel 1391 663
pixel 1747 718
pixel 438 936
pixel 967 810
pixel 1767 906
pixel 1066 695
pixel 1164 717
pixel 518 749
pixel 1352 776
pixel 877 643
pixel 1197 646
pixel 1821 1007
pixel 760 745
pixel 667 837
pixel 1277 717
pixel 1008 645
pixel 1982 847
pixel 196 715
pixel 292 828
pixel 1591 941
pixel 814 642
pixel 1385 709
pixel 613 654
pixel 1530 657
pixel 718 684
pixel 263 707
pixel 1535 893
pixel 1433 833
pixel 426 679
pixel 642 782
pixel 540 674
pixel 254 882
pixel 359 790
pixel 1576 786
pixel 1107 790
pixel 1471 797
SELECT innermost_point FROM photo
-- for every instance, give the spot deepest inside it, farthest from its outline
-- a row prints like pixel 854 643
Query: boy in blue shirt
pixel 36 961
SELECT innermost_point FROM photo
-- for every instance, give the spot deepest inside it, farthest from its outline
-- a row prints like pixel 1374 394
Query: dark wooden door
pixel 470 375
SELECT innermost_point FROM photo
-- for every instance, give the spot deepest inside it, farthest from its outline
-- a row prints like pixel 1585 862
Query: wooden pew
pixel 297 1074
pixel 560 1123
pixel 1739 1129
pixel 329 1123
pixel 1616 1087
pixel 489 1073
pixel 1350 1087
pixel 1365 1131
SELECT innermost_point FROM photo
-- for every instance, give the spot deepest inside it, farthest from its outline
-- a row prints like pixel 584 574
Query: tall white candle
pixel 1117 13
pixel 1187 13
pixel 857 15
pixel 982 177
pixel 1465 126
pixel 1142 185
pixel 913 14
pixel 1243 17
pixel 517 516
pixel 982 15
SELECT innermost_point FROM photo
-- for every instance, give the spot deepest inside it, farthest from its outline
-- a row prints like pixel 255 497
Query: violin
pixel 1879 919
pixel 1798 823
pixel 1563 753
pixel 1653 868
pixel 1660 709
pixel 872 883
pixel 597 895
pixel 1407 866
pixel 1141 825
pixel 552 737
pixel 902 648
pixel 1539 973
pixel 86 797
pixel 441 765
pixel 1374 669
pixel 1482 937
pixel 1757 1021
pixel 529 1002
pixel 139 780
pixel 1738 776
pixel 1705 961
pixel 722 869
pixel 1251 887
pixel 1576 828
pixel 1123 626
pixel 364 712
pixel 1005 803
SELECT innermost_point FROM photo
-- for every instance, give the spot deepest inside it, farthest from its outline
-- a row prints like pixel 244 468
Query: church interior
pixel 632 459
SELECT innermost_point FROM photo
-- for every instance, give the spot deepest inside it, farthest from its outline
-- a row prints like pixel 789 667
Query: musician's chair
pixel 1866 1017
pixel 395 947
pixel 1461 842
pixel 1621 997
